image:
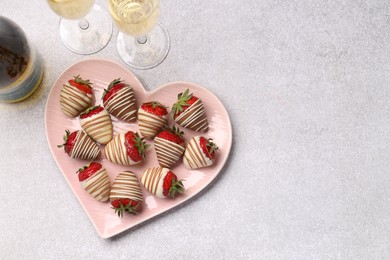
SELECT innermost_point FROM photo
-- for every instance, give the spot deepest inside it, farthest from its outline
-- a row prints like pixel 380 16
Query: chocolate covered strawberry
pixel 161 182
pixel 126 194
pixel 96 122
pixel 152 116
pixel 76 96
pixel 200 152
pixel 79 145
pixel 126 149
pixel 188 111
pixel 169 146
pixel 119 100
pixel 94 179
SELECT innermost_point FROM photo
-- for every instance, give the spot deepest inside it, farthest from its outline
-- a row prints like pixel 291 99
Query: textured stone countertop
pixel 306 84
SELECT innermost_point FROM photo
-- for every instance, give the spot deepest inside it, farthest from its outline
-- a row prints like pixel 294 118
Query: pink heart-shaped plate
pixel 101 72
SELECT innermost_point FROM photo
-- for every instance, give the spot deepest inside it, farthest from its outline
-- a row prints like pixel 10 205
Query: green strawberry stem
pixel 85 112
pixel 157 104
pixel 113 83
pixel 79 80
pixel 110 86
pixel 173 130
pixel 125 208
pixel 211 146
pixel 176 187
pixel 182 99
pixel 83 168
pixel 66 136
pixel 141 145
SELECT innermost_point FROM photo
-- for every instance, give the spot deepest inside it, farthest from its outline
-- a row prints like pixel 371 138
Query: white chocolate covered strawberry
pixel 126 194
pixel 94 179
pixel 126 149
pixel 152 116
pixel 96 122
pixel 188 111
pixel 119 100
pixel 161 182
pixel 76 96
pixel 200 152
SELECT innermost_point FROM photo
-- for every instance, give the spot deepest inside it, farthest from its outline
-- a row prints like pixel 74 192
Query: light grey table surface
pixel 306 84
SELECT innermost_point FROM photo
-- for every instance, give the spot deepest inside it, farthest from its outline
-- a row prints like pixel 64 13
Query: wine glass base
pixel 144 55
pixel 90 37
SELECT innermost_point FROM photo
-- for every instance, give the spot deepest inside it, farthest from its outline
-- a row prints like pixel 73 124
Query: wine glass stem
pixel 84 24
pixel 142 39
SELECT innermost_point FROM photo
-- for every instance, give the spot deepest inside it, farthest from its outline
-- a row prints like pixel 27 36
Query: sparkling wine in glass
pixel 85 27
pixel 142 43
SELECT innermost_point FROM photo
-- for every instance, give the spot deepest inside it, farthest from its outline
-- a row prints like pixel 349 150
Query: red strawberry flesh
pixel 92 111
pixel 113 91
pixel 191 101
pixel 155 108
pixel 188 104
pixel 70 142
pixel 125 205
pixel 168 135
pixel 132 150
pixel 183 102
pixel 168 182
pixel 89 170
pixel 205 149
pixel 82 85
pixel 117 203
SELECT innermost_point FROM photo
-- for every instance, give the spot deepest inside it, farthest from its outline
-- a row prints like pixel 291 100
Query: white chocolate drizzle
pixel 98 185
pixel 168 153
pixel 123 105
pixel 98 127
pixel 126 186
pixel 153 180
pixel 85 148
pixel 194 117
pixel 74 101
pixel 116 152
pixel 149 125
pixel 194 157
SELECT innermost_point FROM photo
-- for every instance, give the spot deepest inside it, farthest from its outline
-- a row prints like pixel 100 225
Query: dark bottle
pixel 21 68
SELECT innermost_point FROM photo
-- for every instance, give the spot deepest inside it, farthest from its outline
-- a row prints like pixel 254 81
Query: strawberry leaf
pixel 182 99
pixel 176 187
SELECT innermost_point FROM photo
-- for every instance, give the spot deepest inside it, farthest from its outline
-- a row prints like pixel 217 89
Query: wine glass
pixel 142 43
pixel 85 27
